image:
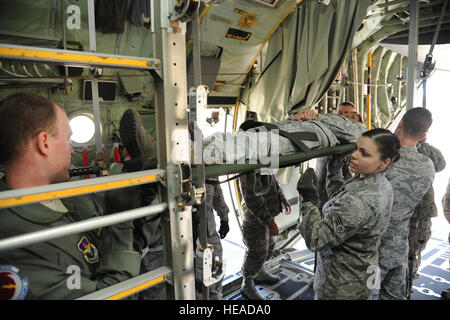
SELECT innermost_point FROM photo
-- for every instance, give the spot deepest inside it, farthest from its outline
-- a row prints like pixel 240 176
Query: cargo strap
pixel 295 137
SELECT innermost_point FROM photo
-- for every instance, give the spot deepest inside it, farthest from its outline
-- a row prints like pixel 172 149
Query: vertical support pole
pixel 196 50
pixel 412 52
pixel 424 97
pixel 429 56
pixel 94 83
pixel 196 59
pixel 64 40
pixel 53 8
pixel 173 149
pixel 369 111
pixel 400 83
pixel 355 80
pixel 91 20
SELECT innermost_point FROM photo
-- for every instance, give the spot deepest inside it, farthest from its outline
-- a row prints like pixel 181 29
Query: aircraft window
pixel 83 129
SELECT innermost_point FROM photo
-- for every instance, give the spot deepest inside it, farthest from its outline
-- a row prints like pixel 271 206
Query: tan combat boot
pixel 248 289
pixel 266 278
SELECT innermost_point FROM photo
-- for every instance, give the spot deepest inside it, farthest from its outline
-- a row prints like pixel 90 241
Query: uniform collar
pixel 357 182
pixel 409 148
pixel 35 212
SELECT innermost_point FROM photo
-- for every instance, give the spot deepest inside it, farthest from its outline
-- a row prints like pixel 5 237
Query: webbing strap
pixel 295 137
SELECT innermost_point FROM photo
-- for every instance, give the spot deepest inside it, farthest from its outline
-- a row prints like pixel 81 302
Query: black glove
pixel 307 186
pixel 224 228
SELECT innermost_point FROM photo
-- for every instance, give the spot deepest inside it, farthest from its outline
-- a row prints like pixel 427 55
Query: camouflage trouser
pixel 212 238
pixel 152 260
pixel 215 291
pixel 393 283
pixel 419 234
pixel 259 246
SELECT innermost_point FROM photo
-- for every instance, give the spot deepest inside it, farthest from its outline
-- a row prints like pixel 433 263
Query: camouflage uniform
pixel 330 130
pixel 348 236
pixel 411 177
pixel 327 184
pixel 104 256
pixel 215 201
pixel 446 204
pixel 446 201
pixel 259 212
pixel 153 259
pixel 420 222
pixel 446 207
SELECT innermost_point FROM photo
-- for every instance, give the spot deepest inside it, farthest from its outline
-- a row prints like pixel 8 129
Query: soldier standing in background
pixel 216 202
pixel 446 206
pixel 411 177
pixel 420 223
pixel 259 228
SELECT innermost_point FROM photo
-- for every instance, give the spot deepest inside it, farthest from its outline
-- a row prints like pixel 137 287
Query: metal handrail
pixel 77 227
pixel 77 58
pixel 131 286
pixel 20 197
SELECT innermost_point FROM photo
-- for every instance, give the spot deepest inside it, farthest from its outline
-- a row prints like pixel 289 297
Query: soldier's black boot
pixel 248 289
pixel 135 138
pixel 263 277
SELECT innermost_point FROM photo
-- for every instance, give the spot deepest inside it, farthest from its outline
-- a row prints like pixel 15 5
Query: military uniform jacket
pixel 216 201
pixel 103 257
pixel 426 207
pixel 411 177
pixel 347 236
pixel 434 154
pixel 446 200
pixel 262 208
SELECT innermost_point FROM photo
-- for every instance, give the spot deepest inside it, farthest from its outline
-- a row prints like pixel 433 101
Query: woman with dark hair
pixel 346 235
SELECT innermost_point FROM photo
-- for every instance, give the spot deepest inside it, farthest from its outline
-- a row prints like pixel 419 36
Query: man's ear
pixel 42 142
pixel 398 128
pixel 423 137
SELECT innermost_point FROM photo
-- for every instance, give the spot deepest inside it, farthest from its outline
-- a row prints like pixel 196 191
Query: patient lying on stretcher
pixel 263 143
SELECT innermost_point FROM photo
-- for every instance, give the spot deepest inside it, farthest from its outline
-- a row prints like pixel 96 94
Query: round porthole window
pixel 83 129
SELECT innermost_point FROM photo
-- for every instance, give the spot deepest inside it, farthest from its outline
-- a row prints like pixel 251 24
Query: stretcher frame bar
pixel 78 227
pixel 19 197
pixel 287 160
pixel 131 286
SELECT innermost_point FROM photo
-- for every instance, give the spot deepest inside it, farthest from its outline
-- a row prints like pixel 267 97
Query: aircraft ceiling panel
pixel 241 28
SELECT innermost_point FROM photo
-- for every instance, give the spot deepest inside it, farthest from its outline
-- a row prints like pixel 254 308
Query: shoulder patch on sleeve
pixel 13 286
